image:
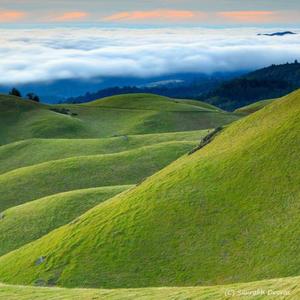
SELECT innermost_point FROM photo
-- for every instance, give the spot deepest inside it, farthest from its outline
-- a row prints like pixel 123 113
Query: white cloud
pixel 50 54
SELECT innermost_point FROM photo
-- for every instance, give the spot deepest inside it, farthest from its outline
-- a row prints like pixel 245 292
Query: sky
pixel 209 12
pixel 66 39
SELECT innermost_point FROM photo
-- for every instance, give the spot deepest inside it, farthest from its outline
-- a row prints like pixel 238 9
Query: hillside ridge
pixel 22 119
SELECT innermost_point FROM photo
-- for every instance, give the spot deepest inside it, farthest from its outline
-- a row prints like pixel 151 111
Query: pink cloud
pixel 248 16
pixel 7 16
pixel 71 16
pixel 158 15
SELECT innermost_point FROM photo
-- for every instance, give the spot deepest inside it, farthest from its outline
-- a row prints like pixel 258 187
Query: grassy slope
pixel 35 151
pixel 228 213
pixel 249 109
pixel 200 103
pixel 25 223
pixel 151 102
pixel 21 119
pixel 120 115
pixel 128 167
pixel 287 288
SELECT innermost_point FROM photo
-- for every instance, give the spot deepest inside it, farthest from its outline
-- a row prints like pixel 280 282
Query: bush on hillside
pixel 15 92
pixel 62 110
pixel 33 97
pixel 207 139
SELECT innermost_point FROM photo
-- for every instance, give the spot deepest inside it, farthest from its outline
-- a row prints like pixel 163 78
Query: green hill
pixel 249 109
pixel 25 223
pixel 203 105
pixel 151 102
pixel 81 172
pixel 22 119
pixel 115 116
pixel 34 151
pixel 283 288
pixel 227 213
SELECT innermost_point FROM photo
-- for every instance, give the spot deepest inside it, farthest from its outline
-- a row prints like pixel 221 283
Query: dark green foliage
pixel 207 139
pixel 64 111
pixel 244 91
pixel 33 97
pixel 15 92
pixel 267 83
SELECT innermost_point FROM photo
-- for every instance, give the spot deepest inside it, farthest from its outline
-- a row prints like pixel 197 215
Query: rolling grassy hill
pixel 115 116
pixel 151 102
pixel 227 213
pixel 34 151
pixel 249 109
pixel 81 172
pixel 284 288
pixel 21 119
pixel 28 222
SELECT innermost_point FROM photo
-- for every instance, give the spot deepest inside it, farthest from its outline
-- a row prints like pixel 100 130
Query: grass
pixel 81 172
pixel 34 151
pixel 25 223
pixel 226 214
pixel 249 109
pixel 151 102
pixel 203 105
pixel 114 116
pixel 284 288
pixel 22 119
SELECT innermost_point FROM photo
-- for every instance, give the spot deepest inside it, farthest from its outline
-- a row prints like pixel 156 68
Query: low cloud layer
pixel 51 54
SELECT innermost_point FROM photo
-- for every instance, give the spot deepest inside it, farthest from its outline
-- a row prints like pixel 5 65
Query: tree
pixel 33 97
pixel 15 92
pixel 36 98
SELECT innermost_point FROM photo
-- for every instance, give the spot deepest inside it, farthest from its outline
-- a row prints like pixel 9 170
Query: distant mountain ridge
pixel 267 83
pixel 282 33
pixel 190 88
pixel 61 90
pixel 229 94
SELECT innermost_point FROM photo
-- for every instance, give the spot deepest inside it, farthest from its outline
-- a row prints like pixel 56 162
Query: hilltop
pixel 152 102
pixel 116 116
pixel 212 217
pixel 251 108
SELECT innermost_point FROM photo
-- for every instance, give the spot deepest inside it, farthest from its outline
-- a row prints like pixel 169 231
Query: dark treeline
pixel 267 83
pixel 30 96
pixel 244 91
